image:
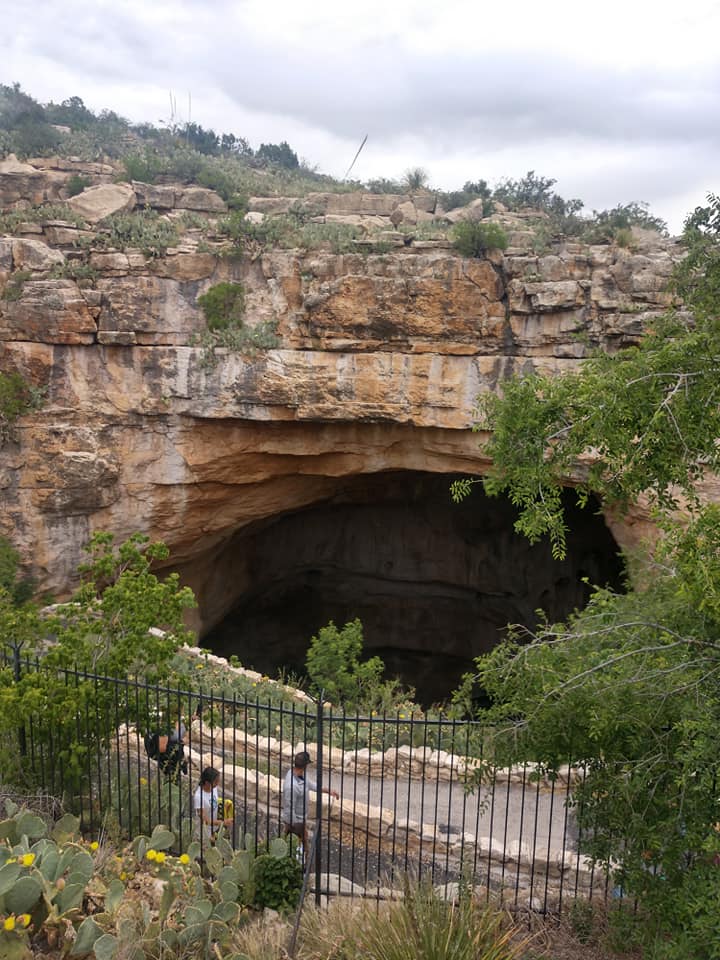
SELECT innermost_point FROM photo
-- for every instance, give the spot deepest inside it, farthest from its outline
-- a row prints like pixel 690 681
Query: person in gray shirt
pixel 296 786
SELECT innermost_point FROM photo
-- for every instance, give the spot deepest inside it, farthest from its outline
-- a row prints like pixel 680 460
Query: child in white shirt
pixel 205 805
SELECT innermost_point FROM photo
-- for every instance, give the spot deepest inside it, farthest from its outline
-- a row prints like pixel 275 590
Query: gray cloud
pixel 655 125
pixel 528 98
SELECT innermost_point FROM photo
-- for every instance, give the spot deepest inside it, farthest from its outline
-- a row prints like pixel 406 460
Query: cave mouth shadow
pixel 434 583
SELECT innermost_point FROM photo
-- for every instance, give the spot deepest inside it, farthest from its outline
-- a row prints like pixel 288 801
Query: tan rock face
pixel 154 309
pixel 96 203
pixel 21 181
pixel 401 306
pixel 201 200
pixel 49 311
pixel 380 362
pixel 35 255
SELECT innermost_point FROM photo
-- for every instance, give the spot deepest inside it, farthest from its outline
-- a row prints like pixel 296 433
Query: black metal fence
pixel 417 796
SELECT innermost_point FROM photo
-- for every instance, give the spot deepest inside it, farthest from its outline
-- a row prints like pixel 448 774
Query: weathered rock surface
pixel 380 360
pixel 49 311
pixel 21 181
pixel 105 199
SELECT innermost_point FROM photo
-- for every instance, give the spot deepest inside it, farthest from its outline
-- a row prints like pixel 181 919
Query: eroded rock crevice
pixel 434 583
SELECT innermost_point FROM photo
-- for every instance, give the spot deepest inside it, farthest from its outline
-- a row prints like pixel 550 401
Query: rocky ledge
pixel 380 357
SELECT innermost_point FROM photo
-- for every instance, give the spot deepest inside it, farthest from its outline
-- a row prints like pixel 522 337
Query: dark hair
pixel 302 759
pixel 209 775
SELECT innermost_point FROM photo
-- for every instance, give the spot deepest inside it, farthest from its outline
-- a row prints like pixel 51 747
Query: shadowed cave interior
pixel 434 583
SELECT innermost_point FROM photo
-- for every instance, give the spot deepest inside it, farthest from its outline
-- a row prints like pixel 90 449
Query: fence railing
pixel 416 796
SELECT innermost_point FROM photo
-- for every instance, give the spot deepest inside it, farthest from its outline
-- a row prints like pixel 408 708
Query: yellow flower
pixel 9 923
pixel 160 857
pixel 184 858
pixel 402 716
pixel 151 854
pixel 24 918
pixel 94 845
pixel 123 876
pixel 143 781
pixel 28 859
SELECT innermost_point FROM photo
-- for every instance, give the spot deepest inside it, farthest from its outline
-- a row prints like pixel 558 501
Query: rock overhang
pixel 380 362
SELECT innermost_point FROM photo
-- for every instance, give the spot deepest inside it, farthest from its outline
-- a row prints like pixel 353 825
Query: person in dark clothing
pixel 168 750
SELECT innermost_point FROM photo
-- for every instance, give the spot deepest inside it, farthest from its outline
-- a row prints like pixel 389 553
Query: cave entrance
pixel 434 583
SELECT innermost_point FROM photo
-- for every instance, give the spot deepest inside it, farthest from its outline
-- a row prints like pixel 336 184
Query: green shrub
pixel 279 231
pixel 17 397
pixel 242 339
pixel 624 237
pixel 581 918
pixel 414 179
pixel 145 229
pixel 239 202
pixel 73 270
pixel 278 881
pixel 76 184
pixel 18 589
pixel 223 305
pixel 334 666
pixel 421 926
pixel 31 139
pixel 193 221
pixel 336 237
pixel 474 238
pixel 11 220
pixel 144 167
pixel 289 231
pixel 280 154
pixel 218 180
pixel 202 140
pixel 14 287
pixel 461 198
pixel 384 185
pixel 610 224
pixel 70 113
pixel 542 237
pixel 105 627
pixel 183 164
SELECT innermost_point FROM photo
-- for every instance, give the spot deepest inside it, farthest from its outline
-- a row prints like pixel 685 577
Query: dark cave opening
pixel 434 583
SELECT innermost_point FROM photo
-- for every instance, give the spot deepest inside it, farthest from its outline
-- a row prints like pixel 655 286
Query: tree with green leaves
pixel 642 421
pixel 280 154
pixel 17 397
pixel 631 685
pixel 122 622
pixel 414 179
pixel 335 668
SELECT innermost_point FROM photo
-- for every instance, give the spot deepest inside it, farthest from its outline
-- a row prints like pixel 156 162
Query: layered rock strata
pixel 380 360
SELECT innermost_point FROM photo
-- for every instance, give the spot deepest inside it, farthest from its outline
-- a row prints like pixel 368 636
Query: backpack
pixel 152 745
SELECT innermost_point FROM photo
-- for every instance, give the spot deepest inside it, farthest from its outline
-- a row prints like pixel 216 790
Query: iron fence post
pixel 17 673
pixel 319 807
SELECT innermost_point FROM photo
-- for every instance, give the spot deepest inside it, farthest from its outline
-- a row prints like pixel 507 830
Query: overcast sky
pixel 618 100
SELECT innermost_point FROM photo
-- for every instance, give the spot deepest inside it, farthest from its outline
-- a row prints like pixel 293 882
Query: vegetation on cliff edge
pixel 631 684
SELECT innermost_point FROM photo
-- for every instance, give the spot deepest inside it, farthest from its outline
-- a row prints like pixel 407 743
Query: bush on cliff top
pixel 475 238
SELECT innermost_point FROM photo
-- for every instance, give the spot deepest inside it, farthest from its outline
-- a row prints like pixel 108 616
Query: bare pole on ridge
pixel 356 156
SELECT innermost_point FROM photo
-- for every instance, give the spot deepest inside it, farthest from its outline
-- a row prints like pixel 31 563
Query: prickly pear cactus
pixel 48 878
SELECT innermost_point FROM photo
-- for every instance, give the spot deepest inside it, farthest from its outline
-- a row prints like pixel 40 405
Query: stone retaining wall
pixel 512 863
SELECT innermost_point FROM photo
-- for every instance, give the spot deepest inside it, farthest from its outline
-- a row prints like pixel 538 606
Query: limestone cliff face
pixel 380 361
